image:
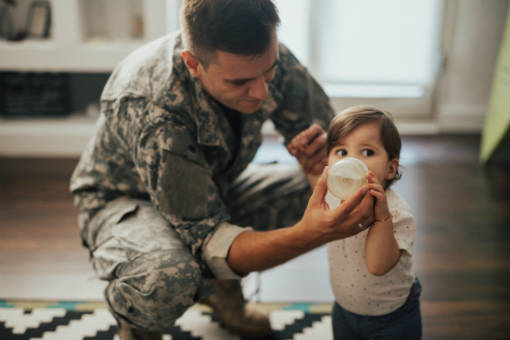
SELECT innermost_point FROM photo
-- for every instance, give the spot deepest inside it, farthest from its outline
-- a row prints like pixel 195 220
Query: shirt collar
pixel 206 113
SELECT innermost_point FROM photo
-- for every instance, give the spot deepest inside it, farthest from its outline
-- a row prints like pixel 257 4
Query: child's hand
pixel 381 210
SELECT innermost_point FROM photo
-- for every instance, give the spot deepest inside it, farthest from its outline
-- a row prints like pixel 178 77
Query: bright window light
pixel 357 46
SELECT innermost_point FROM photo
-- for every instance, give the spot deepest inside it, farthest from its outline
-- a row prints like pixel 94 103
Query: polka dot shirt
pixel 354 288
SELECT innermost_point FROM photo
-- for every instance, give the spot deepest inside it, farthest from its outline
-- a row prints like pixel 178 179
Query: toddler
pixel 371 273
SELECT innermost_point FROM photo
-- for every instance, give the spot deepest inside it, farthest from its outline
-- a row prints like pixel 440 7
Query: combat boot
pixel 236 314
pixel 126 332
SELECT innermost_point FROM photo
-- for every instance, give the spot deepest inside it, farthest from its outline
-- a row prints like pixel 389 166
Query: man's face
pixel 240 82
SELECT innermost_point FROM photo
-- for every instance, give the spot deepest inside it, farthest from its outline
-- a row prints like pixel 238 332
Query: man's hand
pixel 260 250
pixel 349 218
pixel 309 148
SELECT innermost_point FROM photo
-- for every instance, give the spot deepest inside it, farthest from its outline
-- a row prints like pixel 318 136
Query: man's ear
pixel 392 169
pixel 191 62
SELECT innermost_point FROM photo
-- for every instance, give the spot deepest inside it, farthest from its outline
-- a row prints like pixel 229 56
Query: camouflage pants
pixel 152 276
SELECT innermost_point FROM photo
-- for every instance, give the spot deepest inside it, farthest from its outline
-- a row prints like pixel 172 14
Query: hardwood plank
pixel 462 248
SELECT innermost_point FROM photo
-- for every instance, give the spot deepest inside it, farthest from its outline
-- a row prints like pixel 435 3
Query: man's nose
pixel 259 89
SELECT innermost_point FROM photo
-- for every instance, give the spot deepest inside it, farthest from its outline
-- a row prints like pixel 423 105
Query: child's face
pixel 365 143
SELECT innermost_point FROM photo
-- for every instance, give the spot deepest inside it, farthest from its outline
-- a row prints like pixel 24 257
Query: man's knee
pixel 158 292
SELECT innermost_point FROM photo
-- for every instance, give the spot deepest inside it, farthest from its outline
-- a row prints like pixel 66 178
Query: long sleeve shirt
pixel 160 136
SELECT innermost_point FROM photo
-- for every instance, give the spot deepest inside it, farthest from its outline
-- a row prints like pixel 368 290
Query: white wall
pixel 472 34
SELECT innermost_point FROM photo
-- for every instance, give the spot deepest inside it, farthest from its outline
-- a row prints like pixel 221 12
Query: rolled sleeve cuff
pixel 216 250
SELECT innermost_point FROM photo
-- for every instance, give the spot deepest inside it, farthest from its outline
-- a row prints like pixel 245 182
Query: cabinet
pixel 89 35
pixel 85 36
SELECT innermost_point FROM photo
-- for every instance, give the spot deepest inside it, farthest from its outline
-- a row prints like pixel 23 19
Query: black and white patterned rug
pixel 72 320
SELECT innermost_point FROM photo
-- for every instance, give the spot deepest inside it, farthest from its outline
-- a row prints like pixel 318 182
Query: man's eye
pixel 367 152
pixel 238 82
pixel 270 74
pixel 341 152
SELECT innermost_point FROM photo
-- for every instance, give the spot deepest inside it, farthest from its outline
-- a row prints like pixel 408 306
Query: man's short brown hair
pixel 235 26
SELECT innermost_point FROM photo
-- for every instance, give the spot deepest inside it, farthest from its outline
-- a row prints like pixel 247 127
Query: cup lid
pixel 346 176
pixel 349 167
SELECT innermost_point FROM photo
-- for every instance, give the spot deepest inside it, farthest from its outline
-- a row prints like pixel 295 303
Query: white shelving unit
pixel 74 47
pixel 90 36
pixel 45 137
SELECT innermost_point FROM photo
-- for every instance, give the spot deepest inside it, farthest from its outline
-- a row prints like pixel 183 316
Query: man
pixel 167 202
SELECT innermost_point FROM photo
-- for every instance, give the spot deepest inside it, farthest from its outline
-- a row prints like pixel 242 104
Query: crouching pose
pixel 170 208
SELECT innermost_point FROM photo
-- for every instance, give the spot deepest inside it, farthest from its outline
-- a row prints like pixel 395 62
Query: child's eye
pixel 341 152
pixel 367 152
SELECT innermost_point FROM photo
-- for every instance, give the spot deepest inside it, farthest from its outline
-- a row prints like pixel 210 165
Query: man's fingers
pixel 297 144
pixel 292 150
pixel 315 145
pixel 367 210
pixel 309 147
pixel 307 143
pixel 317 168
pixel 352 202
pixel 306 136
pixel 310 164
pixel 314 130
pixel 321 188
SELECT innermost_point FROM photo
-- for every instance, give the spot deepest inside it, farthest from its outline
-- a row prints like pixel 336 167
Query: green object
pixel 497 120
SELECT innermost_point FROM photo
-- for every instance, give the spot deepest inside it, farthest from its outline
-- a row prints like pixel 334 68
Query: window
pixel 366 48
pixel 383 53
pixel 173 8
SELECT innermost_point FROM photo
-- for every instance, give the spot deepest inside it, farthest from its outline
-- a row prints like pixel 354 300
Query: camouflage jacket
pixel 160 136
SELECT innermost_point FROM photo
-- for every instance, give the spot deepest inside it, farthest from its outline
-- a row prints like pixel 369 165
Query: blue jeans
pixel 403 323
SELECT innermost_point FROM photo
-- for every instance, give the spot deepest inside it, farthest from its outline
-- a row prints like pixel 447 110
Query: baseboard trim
pixel 462 118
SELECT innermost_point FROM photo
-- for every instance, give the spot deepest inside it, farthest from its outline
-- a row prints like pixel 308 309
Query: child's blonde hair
pixel 352 117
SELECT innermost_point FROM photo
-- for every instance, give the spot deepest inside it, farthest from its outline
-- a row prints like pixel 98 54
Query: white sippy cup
pixel 346 176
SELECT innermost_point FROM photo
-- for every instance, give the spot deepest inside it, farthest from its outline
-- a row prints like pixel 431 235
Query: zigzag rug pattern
pixel 70 320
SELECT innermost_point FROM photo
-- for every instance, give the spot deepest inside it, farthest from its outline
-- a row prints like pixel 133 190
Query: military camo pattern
pixel 152 276
pixel 161 137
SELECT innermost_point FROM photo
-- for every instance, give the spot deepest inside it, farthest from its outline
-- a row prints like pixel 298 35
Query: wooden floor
pixel 462 247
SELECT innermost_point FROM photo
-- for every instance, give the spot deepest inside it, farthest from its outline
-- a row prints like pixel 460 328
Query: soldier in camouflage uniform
pixel 167 198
